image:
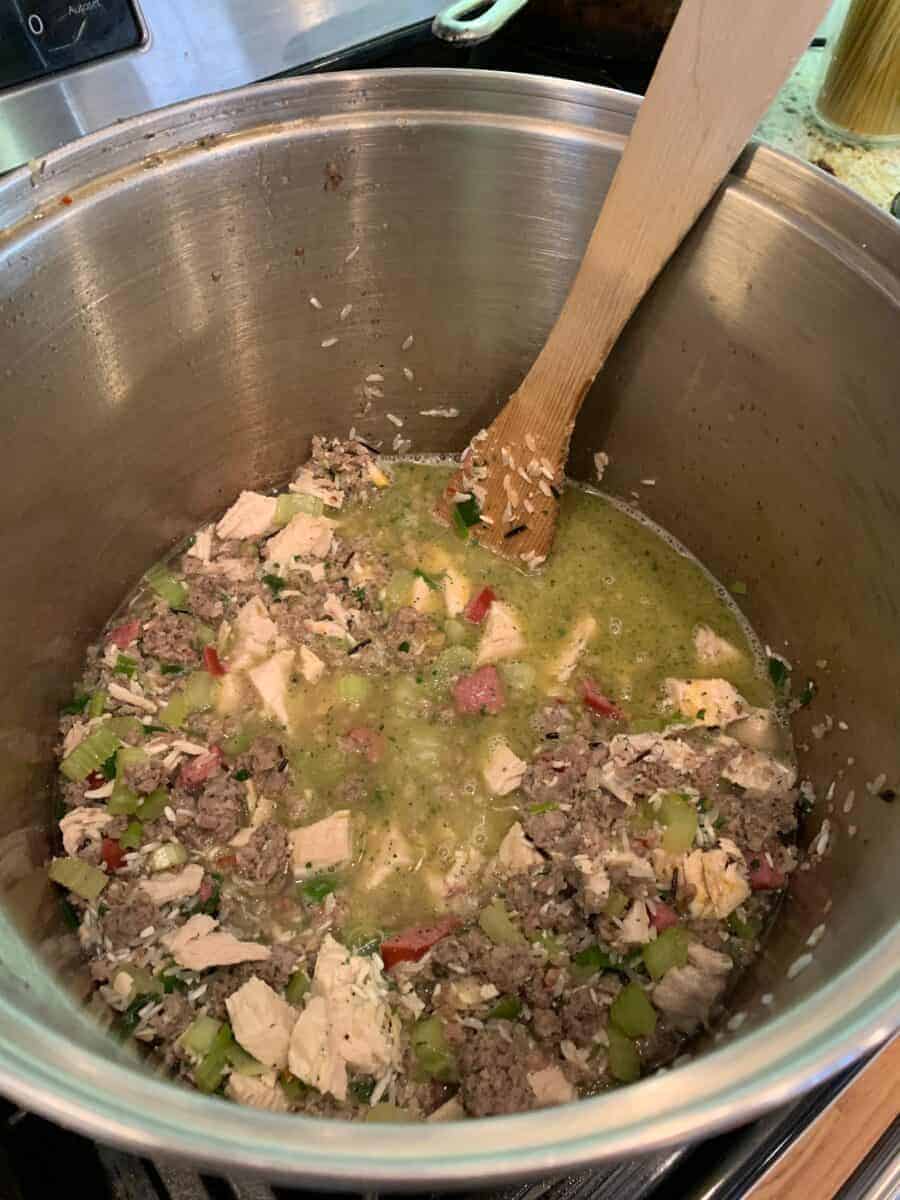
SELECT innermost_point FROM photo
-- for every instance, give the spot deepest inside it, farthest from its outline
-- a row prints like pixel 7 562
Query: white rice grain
pixel 798 965
pixel 374 377
pixel 346 311
pixel 395 420
pixel 329 342
pixel 408 342
pixel 409 373
pixel 353 253
pixel 816 936
pixel 449 413
pixel 315 302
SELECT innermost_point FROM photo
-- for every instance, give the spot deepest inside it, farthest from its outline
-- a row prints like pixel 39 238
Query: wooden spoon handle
pixel 722 65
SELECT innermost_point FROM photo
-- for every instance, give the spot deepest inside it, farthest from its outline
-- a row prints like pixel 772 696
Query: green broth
pixel 422 814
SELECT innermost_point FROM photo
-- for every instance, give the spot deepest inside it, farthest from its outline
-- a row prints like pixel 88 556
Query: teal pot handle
pixel 453 25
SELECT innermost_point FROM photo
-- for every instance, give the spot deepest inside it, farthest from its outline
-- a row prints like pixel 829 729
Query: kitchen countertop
pixel 873 171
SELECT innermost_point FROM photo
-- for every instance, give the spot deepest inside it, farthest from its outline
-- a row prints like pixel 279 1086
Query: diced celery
pixel 79 877
pixel 384 1112
pixel 405 692
pixel 166 586
pixel 669 949
pixel 642 817
pixel 623 1058
pixel 142 982
pixel 291 503
pixel 123 802
pixel 679 816
pixel 616 903
pixel 205 635
pixel 496 922
pixel 125 665
pixel 456 632
pixel 90 755
pixel 172 854
pixel 198 694
pixel 746 930
pixel 151 807
pixel 353 688
pixel 632 1013
pixel 450 663
pixel 133 836
pixel 398 593
pixel 97 704
pixel 298 986
pixel 551 943
pixel 520 676
pixel 507 1008
pixel 317 888
pixel 210 1071
pixel 200 1034
pixel 587 963
pixel 125 727
pixel 433 1054
pixel 239 743
pixel 129 756
pixel 244 1063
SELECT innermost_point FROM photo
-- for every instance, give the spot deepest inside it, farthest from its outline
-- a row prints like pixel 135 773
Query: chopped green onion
pixel 293 1088
pixel 171 669
pixel 291 503
pixel 318 888
pixel 108 767
pixel 547 806
pixel 74 707
pixel 469 511
pixel 79 877
pixel 428 580
pixel 807 695
pixel 90 755
pixel 432 1051
pixel 632 1012
pixel 459 524
pixel 244 1063
pixel 69 915
pixel 362 1088
pixel 669 949
pixel 587 963
pixel 496 922
pixel 507 1008
pixel 622 1056
pixel 97 705
pixel 745 930
pixel 210 1071
pixel 298 986
pixel 125 666
pixel 275 583
pixel 172 854
pixel 167 587
pixel 778 671
pixel 242 775
pixel 133 836
pixel 131 1018
pixel 403 647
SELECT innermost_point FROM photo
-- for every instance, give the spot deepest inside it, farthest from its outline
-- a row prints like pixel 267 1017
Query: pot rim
pixel 811 1038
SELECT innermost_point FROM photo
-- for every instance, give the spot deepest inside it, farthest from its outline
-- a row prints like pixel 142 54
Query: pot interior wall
pixel 160 353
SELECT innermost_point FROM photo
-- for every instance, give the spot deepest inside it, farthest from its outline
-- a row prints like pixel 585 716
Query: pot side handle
pixel 453 24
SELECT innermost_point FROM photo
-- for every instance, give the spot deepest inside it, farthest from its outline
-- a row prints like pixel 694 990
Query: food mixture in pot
pixel 359 821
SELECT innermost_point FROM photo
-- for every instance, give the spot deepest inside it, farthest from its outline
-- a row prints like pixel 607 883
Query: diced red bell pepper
pixel 368 742
pixel 763 876
pixel 123 635
pixel 476 610
pixel 413 944
pixel 226 860
pixel 481 692
pixel 211 661
pixel 113 854
pixel 663 917
pixel 597 702
pixel 199 769
pixel 95 780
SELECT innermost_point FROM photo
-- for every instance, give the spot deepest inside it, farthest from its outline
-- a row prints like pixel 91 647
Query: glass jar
pixel 859 100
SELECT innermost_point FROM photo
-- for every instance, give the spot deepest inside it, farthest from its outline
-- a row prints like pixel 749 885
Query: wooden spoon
pixel 718 73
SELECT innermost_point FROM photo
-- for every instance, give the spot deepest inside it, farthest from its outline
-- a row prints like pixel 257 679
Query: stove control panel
pixel 40 37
